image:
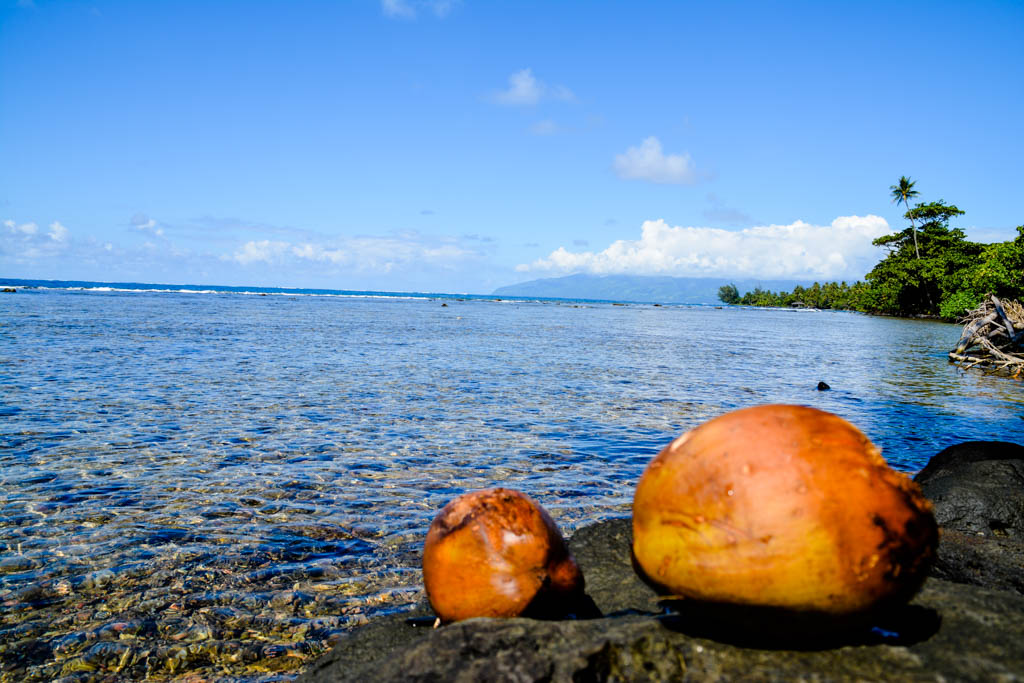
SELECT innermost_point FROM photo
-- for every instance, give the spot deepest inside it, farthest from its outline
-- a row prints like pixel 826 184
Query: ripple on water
pixel 223 485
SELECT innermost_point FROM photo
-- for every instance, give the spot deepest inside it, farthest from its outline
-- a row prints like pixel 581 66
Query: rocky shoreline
pixel 967 623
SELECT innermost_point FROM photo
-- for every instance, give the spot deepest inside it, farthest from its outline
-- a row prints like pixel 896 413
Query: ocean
pixel 210 481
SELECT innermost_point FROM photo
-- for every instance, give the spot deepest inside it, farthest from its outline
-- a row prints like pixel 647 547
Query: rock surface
pixel 989 562
pixel 977 487
pixel 967 623
pixel 949 632
pixel 978 492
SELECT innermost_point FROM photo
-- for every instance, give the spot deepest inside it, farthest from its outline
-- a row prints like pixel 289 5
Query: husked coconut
pixel 496 553
pixel 781 506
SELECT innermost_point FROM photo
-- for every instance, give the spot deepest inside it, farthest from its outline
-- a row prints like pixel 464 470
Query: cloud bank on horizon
pixel 27 242
pixel 842 250
pixel 380 255
pixel 355 262
pixel 800 250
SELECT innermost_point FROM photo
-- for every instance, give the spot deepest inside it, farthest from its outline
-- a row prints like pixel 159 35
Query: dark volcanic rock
pixel 949 632
pixel 977 487
pixel 990 562
pixel 978 491
pixel 604 553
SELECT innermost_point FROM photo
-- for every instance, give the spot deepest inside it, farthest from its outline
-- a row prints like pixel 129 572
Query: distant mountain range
pixel 641 288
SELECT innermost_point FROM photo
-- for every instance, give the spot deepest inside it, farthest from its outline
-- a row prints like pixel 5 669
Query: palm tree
pixel 901 194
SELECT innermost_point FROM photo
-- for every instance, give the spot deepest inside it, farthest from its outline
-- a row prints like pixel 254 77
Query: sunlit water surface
pixel 223 484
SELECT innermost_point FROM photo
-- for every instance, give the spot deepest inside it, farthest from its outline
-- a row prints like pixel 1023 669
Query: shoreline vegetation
pixel 930 271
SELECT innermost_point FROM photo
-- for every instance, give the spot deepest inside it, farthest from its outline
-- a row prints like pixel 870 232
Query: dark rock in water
pixel 949 632
pixel 823 387
pixel 10 290
pixel 978 491
pixel 977 487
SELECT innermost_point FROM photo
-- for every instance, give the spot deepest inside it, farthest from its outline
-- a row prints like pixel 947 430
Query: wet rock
pixel 980 561
pixel 111 656
pixel 9 290
pixel 977 487
pixel 978 491
pixel 949 632
pixel 96 580
pixel 822 386
pixel 16 564
pixel 604 552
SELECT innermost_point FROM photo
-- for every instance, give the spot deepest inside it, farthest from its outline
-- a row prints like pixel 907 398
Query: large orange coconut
pixel 496 553
pixel 781 507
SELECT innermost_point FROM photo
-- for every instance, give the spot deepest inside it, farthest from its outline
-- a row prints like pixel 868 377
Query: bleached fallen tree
pixel 993 338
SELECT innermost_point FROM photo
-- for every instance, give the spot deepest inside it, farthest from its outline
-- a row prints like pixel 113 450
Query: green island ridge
pixel 930 270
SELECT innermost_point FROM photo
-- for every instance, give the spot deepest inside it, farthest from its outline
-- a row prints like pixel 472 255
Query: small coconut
pixel 496 553
pixel 782 507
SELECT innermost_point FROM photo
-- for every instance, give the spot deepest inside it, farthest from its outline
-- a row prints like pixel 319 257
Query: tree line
pixel 929 269
pixel 834 295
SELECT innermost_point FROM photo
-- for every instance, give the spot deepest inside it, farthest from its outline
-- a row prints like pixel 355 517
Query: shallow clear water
pixel 223 484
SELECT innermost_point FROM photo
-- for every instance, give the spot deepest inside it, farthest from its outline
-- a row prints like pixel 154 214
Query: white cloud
pixel 372 254
pixel 58 233
pixel 24 228
pixel 146 224
pixel 525 89
pixel 316 252
pixel 25 242
pixel 235 252
pixel 397 8
pixel 265 251
pixel 408 9
pixel 842 250
pixel 648 162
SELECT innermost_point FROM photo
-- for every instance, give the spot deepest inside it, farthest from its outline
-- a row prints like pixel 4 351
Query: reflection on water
pixel 223 484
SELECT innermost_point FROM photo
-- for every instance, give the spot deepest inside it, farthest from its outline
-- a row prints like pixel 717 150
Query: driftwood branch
pixel 1002 316
pixel 993 338
pixel 971 329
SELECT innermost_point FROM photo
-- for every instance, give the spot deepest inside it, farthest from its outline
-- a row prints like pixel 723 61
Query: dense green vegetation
pixel 728 294
pixel 837 295
pixel 930 269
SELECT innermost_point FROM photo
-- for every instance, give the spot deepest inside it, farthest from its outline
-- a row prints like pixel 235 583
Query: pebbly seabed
pixel 225 484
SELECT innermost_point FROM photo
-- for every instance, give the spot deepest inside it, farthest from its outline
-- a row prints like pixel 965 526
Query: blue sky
pixel 461 146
